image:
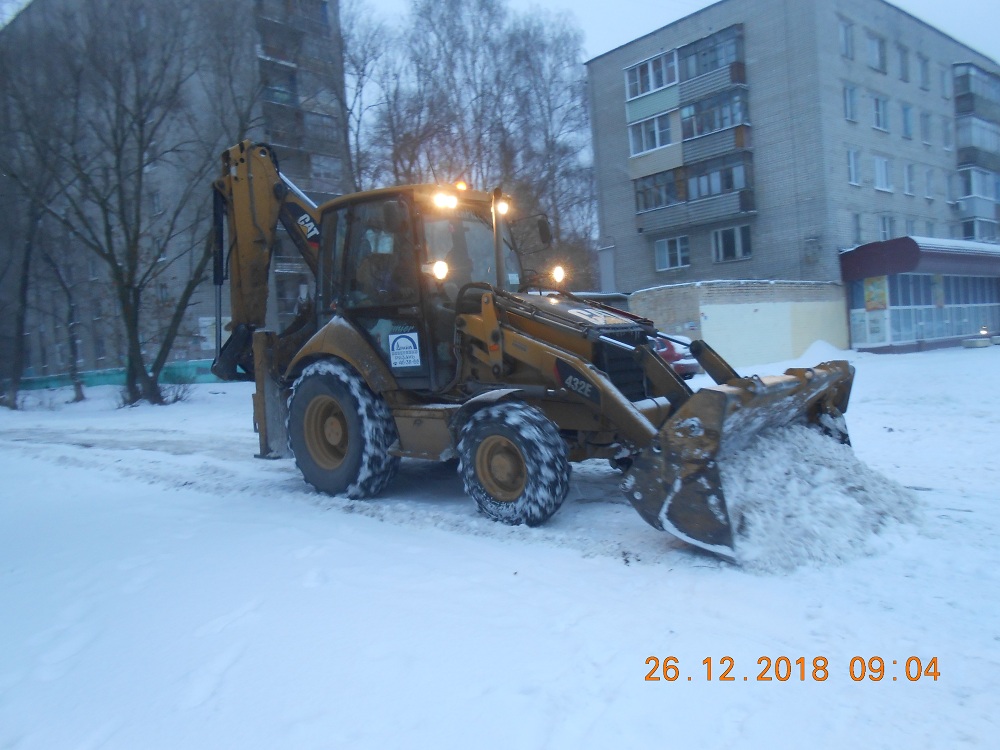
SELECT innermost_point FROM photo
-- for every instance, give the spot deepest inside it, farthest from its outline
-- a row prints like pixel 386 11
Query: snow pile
pixel 796 497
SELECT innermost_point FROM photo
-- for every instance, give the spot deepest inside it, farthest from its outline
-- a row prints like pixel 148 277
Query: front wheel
pixel 340 432
pixel 513 463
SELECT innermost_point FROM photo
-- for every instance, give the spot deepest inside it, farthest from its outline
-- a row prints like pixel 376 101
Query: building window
pixel 713 114
pixel 946 134
pixel 925 127
pixel 854 166
pixel 904 63
pixel 911 227
pixel 907 113
pixel 924 71
pixel 977 182
pixel 711 53
pixel 982 230
pixel 725 175
pixel 876 52
pixel 908 175
pixel 671 253
pixel 880 112
pixel 731 244
pixel 886 227
pixel 649 134
pixel 929 229
pixel 657 190
pixel 883 174
pixel 944 76
pixel 977 133
pixel 651 75
pixel 856 228
pixel 929 177
pixel 850 103
pixel 846 39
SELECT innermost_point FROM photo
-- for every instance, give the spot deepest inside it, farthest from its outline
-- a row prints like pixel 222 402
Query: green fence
pixel 195 371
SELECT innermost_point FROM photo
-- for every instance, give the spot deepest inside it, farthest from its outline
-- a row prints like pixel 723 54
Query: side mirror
pixel 395 217
pixel 544 231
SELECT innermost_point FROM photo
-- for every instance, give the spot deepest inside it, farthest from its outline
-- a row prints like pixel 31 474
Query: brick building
pixel 758 139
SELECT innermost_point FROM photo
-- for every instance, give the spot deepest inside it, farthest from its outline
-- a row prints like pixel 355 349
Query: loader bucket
pixel 676 485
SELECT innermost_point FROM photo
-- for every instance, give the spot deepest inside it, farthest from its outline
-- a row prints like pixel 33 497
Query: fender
pixel 339 338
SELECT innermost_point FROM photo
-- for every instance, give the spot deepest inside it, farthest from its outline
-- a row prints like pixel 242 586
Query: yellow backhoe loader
pixel 425 338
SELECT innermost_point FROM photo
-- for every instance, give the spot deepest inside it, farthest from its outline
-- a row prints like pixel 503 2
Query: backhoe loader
pixel 424 337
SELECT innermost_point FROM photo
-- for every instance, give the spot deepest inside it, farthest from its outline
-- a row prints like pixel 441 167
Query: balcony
pixel 702 211
pixel 975 207
pixel 712 83
pixel 970 156
pixel 973 104
pixel 716 144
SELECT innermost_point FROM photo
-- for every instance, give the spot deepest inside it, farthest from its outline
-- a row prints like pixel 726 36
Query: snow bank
pixel 796 497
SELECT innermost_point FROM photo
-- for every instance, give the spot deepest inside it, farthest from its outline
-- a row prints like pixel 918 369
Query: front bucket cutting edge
pixel 676 484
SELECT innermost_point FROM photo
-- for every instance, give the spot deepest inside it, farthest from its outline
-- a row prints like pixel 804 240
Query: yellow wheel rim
pixel 500 468
pixel 326 433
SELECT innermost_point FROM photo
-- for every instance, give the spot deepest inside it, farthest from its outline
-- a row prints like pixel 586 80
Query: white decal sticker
pixel 596 317
pixel 404 350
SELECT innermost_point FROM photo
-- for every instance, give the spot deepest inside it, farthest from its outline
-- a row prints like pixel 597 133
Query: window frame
pixel 846 38
pixel 877 52
pixel 880 112
pixel 742 244
pixel 657 131
pixel 681 252
pixel 644 71
pixel 854 167
pixel 883 174
pixel 850 102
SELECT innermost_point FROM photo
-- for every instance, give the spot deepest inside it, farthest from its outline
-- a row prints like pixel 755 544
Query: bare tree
pixel 366 41
pixel 29 119
pixel 552 135
pixel 148 94
pixel 63 275
pixel 494 97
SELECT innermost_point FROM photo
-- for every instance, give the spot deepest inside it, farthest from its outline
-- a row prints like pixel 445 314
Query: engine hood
pixel 583 315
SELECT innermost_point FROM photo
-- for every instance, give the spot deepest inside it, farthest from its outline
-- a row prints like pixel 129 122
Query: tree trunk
pixel 21 311
pixel 71 326
pixel 74 348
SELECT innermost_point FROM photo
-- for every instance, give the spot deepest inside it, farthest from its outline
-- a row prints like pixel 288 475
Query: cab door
pixel 380 286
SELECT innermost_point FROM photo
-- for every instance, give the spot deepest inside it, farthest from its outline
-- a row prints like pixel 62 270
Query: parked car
pixel 677 355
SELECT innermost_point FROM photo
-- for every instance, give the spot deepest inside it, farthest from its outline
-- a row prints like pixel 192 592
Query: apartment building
pixel 756 140
pixel 287 60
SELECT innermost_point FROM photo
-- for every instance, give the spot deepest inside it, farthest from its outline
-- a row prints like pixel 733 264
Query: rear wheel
pixel 513 463
pixel 340 432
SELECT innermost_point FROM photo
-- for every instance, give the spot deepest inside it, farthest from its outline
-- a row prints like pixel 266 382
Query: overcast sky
pixel 608 24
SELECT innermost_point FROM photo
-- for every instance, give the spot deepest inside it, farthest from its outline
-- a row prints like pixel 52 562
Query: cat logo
pixel 309 225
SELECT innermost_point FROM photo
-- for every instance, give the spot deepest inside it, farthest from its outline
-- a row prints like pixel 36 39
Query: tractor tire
pixel 340 432
pixel 513 463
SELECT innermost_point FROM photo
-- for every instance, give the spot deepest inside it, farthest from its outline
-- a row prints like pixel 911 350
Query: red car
pixel 677 355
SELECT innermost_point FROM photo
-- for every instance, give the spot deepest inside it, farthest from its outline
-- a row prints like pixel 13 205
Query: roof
pixel 920 255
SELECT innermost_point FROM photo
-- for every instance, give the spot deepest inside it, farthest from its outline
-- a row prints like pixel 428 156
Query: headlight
pixel 445 200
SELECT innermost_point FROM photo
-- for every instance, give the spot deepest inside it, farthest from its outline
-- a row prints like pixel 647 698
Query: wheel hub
pixel 326 432
pixel 501 469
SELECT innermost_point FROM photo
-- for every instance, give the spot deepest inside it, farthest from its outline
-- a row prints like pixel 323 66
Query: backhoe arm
pixel 251 198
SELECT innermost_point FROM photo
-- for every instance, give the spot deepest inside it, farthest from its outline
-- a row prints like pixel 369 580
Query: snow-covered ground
pixel 162 588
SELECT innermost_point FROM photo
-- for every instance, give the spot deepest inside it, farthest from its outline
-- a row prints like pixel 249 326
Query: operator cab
pixel 395 263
